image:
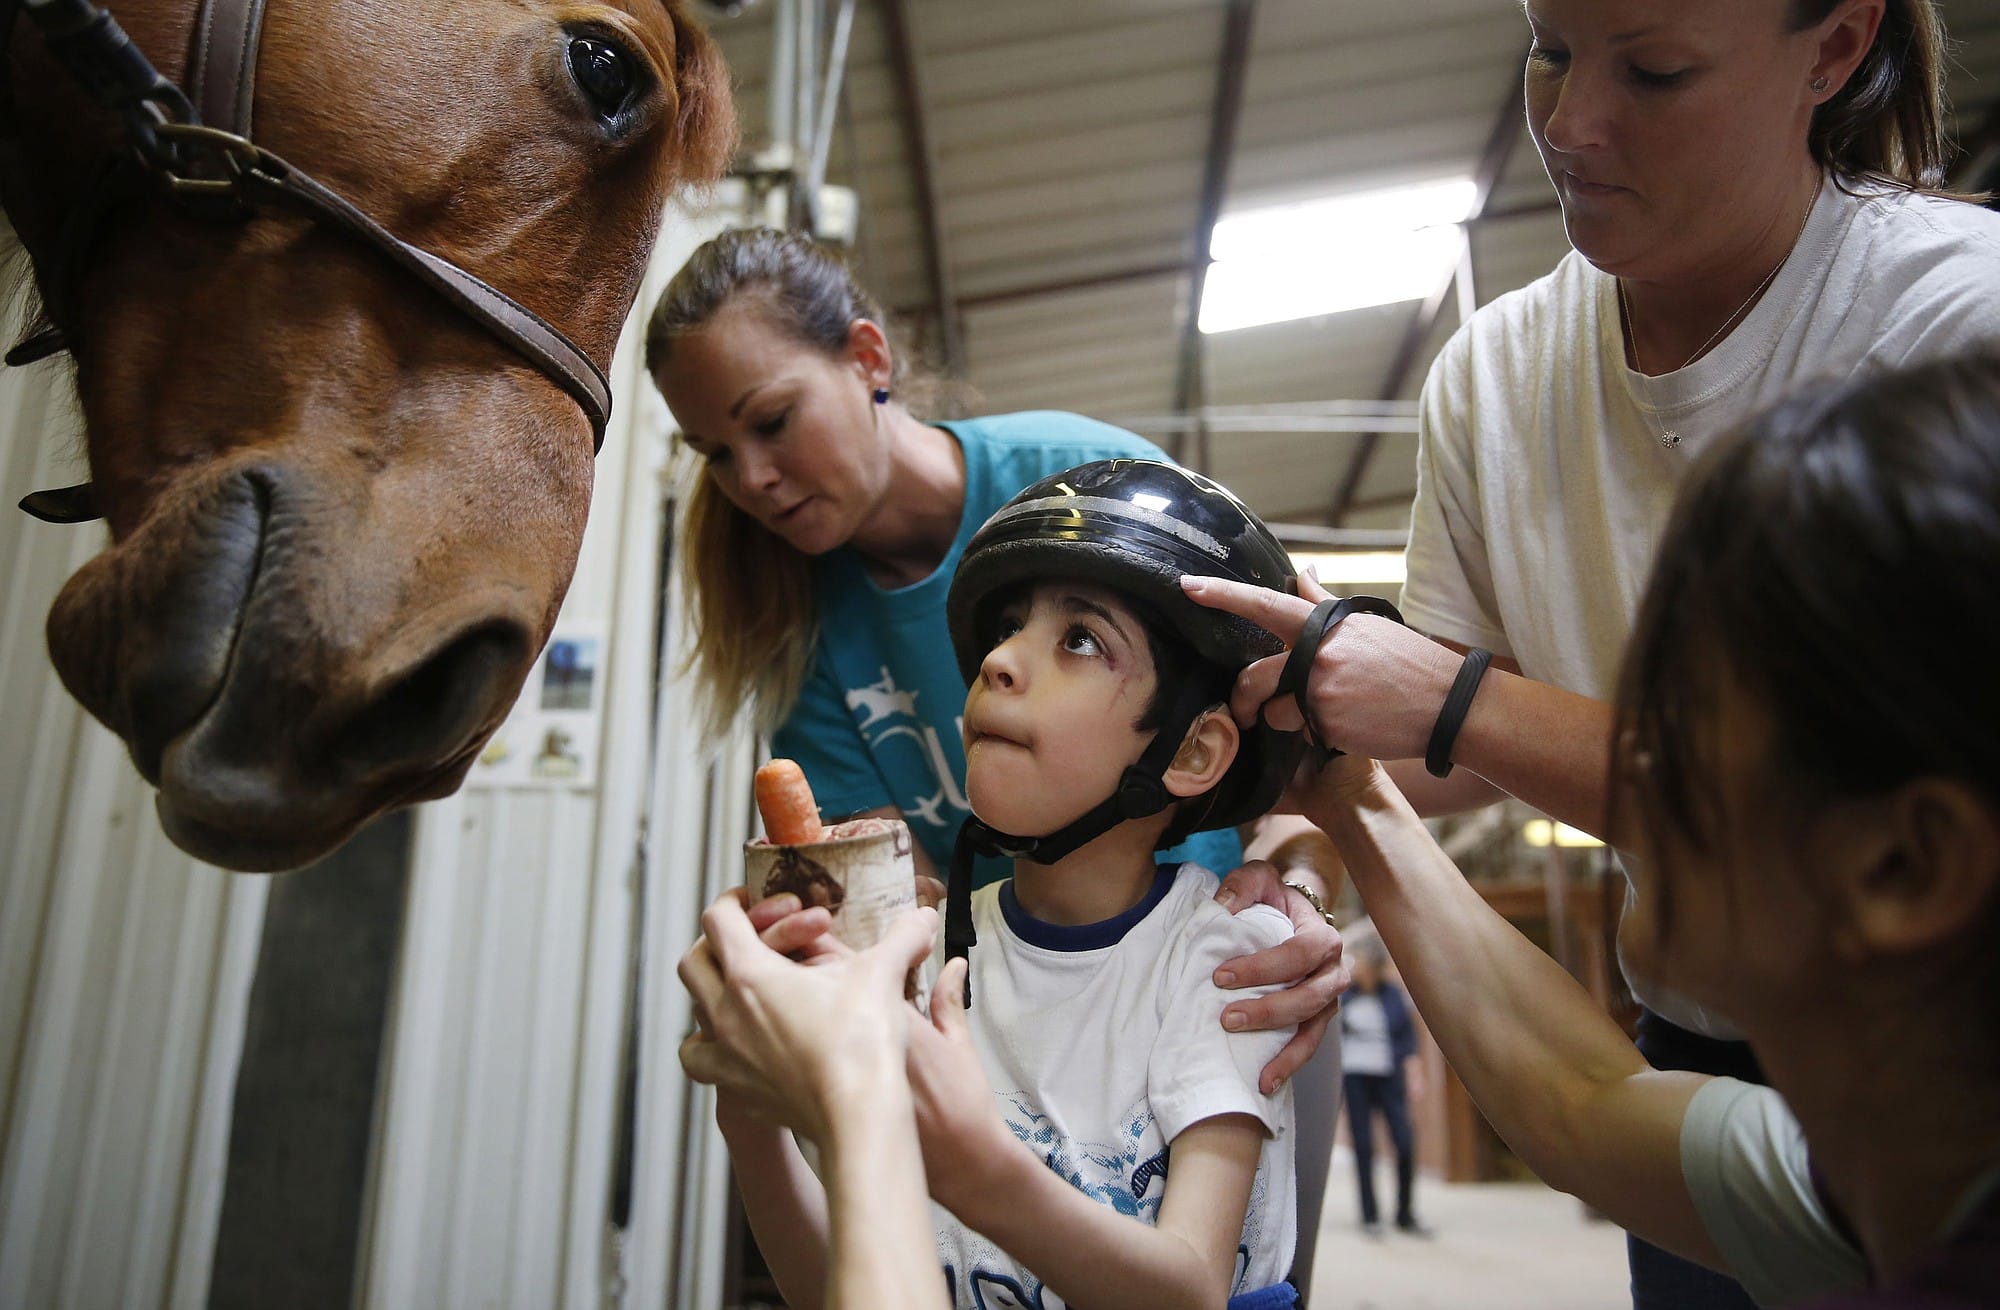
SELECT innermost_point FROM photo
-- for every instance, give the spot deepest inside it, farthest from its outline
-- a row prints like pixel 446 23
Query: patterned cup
pixel 861 871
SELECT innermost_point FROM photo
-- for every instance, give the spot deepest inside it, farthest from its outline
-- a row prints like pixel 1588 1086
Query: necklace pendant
pixel 1670 439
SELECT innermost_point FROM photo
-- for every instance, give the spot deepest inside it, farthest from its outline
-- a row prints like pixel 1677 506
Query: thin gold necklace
pixel 1668 437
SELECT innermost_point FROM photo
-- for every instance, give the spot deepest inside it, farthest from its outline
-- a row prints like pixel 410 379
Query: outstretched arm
pixel 1376 688
pixel 1556 1078
pixel 1085 1251
pixel 1527 739
pixel 819 1049
pixel 863 1237
pixel 787 1204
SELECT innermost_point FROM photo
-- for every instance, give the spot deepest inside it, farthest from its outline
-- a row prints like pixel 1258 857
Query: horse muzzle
pixel 280 676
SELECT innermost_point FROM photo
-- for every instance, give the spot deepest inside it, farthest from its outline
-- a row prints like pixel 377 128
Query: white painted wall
pixel 125 966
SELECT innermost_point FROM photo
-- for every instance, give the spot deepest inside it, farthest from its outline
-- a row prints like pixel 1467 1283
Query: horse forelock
pixel 705 126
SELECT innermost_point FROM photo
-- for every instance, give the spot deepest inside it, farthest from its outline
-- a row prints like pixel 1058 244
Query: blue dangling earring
pixel 881 395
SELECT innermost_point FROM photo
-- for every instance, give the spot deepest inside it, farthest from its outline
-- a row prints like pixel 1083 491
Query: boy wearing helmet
pixel 1094 1135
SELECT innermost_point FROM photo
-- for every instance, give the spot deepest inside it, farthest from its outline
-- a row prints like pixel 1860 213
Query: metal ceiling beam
pixel 1312 534
pixel 1362 505
pixel 1226 111
pixel 922 154
pixel 1493 161
pixel 1119 277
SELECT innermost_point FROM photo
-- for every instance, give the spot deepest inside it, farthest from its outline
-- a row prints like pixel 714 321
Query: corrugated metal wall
pixel 125 966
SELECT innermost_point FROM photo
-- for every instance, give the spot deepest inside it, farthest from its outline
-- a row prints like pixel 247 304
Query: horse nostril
pixel 431 712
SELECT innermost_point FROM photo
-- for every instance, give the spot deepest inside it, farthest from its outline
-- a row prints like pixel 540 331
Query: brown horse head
pixel 342 517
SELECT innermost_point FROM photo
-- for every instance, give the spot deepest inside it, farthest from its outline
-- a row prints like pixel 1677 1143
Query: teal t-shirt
pixel 877 722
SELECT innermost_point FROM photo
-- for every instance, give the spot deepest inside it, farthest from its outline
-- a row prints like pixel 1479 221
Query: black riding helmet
pixel 1138 527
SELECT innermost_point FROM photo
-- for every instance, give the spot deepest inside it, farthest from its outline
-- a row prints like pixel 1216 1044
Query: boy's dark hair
pixel 1175 663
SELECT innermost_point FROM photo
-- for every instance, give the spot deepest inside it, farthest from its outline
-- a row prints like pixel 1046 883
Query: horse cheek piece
pixel 223 174
pixel 298 625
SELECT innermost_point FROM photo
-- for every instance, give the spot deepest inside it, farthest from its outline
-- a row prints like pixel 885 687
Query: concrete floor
pixel 1498 1246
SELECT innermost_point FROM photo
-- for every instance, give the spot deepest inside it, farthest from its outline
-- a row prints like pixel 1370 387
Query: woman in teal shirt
pixel 820 544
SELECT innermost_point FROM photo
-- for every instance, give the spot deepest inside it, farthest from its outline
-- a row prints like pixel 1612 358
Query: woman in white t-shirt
pixel 1750 186
pixel 1807 766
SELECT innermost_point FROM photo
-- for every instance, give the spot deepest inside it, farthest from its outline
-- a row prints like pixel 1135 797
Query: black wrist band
pixel 1437 756
pixel 1319 625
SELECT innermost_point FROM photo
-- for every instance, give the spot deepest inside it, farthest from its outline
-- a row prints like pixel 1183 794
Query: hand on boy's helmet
pixel 1375 687
pixel 1310 962
pixel 958 1125
pixel 781 1038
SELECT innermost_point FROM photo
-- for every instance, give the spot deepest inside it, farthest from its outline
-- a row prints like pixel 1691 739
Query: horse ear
pixel 705 115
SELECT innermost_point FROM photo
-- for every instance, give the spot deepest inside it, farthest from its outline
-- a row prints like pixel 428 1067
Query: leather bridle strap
pixel 207 160
pixel 223 70
pixel 268 177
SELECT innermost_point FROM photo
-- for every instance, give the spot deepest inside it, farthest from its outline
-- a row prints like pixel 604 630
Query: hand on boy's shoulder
pixel 1272 916
pixel 1216 935
pixel 1254 927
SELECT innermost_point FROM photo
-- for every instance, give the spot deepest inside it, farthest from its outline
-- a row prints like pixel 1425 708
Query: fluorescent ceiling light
pixel 1353 567
pixel 1541 832
pixel 1333 255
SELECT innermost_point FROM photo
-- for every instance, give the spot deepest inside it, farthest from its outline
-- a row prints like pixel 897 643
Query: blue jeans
pixel 1660 1279
pixel 1366 1094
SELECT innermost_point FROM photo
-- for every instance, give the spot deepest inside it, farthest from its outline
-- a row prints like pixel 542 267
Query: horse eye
pixel 603 71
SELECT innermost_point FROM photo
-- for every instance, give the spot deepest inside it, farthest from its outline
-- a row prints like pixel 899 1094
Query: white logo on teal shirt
pixel 884 713
pixel 881 699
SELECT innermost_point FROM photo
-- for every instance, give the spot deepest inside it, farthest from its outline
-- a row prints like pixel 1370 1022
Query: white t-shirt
pixel 1542 481
pixel 1103 1043
pixel 1364 1035
pixel 1744 1159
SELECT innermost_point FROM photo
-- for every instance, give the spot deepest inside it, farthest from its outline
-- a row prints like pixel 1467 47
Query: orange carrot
pixel 785 799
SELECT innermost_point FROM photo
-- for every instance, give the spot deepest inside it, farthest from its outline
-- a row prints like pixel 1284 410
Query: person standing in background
pixel 1378 1045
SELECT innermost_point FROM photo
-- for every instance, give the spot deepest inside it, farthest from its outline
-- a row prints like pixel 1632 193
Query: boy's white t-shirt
pixel 1542 481
pixel 1103 1043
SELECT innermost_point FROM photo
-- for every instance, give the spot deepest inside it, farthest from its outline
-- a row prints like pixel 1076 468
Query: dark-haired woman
pixel 820 545
pixel 1750 186
pixel 1809 773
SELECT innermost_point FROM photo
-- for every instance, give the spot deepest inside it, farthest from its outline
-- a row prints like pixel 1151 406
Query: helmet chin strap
pixel 1142 792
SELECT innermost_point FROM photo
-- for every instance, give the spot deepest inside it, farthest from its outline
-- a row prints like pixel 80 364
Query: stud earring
pixel 1819 84
pixel 881 395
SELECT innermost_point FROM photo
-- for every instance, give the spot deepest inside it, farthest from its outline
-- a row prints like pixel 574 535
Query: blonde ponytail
pixel 751 618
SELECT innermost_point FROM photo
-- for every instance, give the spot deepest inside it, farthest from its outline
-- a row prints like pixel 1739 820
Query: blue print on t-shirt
pixel 1112 1175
